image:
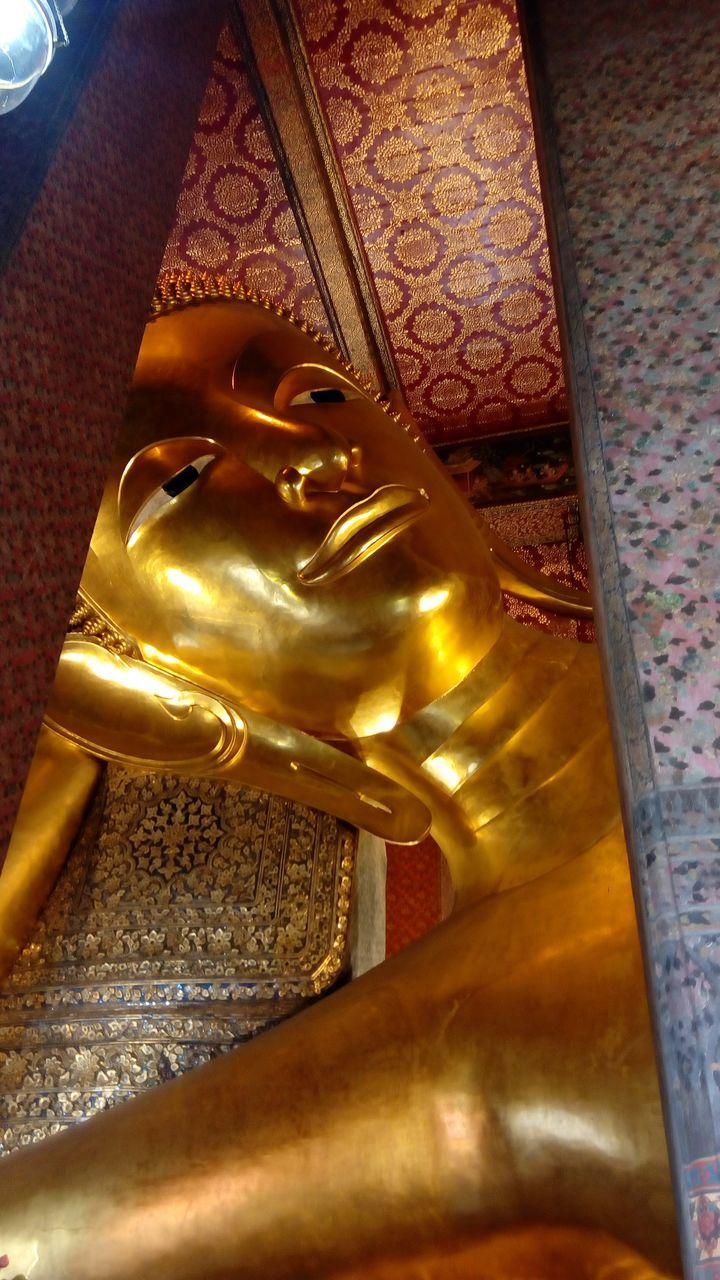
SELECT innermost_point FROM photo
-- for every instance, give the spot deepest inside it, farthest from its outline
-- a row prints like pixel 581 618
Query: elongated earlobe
pixel 520 579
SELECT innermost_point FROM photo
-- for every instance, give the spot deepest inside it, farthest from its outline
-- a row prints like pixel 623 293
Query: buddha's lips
pixel 362 530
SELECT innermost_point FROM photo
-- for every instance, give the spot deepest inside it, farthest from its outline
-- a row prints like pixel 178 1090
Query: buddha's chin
pixel 369 664
pixel 389 689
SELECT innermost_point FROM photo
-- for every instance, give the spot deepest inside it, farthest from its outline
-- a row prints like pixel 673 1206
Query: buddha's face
pixel 269 532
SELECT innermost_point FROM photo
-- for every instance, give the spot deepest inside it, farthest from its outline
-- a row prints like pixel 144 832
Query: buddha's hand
pixel 121 708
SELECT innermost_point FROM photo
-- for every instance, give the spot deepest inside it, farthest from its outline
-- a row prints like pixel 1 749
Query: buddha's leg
pixel 500 1072
pixel 59 788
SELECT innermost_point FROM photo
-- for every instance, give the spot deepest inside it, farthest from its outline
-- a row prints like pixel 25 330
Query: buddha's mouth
pixel 362 530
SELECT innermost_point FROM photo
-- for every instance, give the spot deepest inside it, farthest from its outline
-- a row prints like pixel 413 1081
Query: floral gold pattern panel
pixel 428 107
pixel 233 215
pixel 189 917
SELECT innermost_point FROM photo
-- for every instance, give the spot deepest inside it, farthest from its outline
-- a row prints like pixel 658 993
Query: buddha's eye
pixel 182 480
pixel 325 395
pixel 172 489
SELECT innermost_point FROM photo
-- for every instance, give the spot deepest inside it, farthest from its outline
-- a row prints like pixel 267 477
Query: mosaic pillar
pixel 626 110
pixel 89 193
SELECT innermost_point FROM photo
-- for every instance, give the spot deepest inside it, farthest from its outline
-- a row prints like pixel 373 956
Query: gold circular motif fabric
pixel 428 108
pixel 233 214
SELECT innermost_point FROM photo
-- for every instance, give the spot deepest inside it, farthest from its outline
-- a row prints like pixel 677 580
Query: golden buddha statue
pixel 284 589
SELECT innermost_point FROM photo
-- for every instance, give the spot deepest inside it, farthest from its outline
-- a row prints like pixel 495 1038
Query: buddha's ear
pixel 515 575
pixel 520 579
pixel 119 707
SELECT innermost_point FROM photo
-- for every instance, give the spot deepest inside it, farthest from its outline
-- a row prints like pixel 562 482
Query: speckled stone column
pixel 626 111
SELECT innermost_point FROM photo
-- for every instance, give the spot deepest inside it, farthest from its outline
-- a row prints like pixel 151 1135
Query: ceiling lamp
pixel 30 32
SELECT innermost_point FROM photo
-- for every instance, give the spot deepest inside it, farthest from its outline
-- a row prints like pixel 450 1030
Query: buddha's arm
pixel 121 708
pixel 60 784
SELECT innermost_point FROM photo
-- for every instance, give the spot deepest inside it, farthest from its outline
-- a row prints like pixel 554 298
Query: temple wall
pixel 627 113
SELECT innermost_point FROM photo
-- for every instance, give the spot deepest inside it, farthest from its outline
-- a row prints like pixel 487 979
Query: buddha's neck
pixel 514 763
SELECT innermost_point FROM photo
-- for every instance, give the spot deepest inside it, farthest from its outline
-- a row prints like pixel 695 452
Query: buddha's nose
pixel 324 465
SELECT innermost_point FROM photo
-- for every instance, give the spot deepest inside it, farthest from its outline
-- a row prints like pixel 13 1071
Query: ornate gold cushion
pixel 188 917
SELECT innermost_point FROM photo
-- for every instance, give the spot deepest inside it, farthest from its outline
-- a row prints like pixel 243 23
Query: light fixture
pixel 30 32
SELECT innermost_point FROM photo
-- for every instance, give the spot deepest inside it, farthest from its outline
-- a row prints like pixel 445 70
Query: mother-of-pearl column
pixel 626 112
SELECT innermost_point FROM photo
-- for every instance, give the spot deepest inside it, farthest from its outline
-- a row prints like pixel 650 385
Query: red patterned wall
pixel 233 216
pixel 413 894
pixel 428 107
pixel 73 304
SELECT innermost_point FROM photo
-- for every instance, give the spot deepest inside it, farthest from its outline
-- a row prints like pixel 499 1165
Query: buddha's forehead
pixel 204 345
pixel 225 371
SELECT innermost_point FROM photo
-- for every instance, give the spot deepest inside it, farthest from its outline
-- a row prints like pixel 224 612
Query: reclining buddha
pixel 301 600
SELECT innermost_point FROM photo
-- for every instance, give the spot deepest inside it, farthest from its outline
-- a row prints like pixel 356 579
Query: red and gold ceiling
pixel 426 107
pixel 233 216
